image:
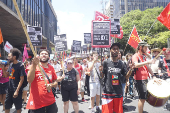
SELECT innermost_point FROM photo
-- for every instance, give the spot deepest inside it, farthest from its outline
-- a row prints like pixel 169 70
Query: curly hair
pixel 15 52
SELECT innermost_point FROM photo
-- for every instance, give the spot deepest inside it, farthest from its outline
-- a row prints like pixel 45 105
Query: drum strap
pixel 166 67
pixel 144 66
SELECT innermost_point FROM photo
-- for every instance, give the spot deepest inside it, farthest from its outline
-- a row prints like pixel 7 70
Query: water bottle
pixel 4 62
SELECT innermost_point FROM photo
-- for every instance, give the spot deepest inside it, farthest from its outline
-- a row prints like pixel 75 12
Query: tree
pixel 143 20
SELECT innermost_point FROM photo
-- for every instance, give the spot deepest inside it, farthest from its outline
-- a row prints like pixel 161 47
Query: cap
pixel 115 44
pixel 156 49
pixel 70 60
pixel 143 43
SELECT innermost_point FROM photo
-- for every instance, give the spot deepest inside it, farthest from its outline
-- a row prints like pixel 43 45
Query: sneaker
pixel 92 110
pixel 83 100
pixel 133 97
pixel 24 105
pixel 89 107
pixel 164 108
pixel 97 109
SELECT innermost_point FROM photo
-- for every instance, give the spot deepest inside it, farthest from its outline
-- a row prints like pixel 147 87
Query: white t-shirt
pixel 93 74
pixel 57 68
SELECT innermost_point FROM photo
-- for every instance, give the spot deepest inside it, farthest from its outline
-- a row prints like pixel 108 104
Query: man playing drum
pixel 141 73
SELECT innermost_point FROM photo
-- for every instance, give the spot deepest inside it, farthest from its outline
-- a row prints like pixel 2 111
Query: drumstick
pixel 28 38
pixel 164 49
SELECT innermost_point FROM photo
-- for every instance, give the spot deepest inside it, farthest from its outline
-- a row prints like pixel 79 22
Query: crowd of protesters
pixel 22 83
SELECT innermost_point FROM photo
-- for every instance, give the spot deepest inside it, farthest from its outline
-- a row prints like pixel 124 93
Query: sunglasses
pixel 69 63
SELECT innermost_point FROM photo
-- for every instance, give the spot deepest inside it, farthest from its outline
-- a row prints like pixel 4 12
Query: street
pixel 130 104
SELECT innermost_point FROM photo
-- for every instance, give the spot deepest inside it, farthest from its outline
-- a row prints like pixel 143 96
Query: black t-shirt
pixel 113 72
pixel 70 80
pixel 15 71
pixel 163 68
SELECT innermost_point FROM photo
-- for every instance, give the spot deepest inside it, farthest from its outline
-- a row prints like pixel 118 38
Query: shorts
pixel 69 95
pixel 59 83
pixel 112 103
pixel 9 101
pixel 94 89
pixel 48 109
pixel 141 88
pixel 4 87
pixel 26 88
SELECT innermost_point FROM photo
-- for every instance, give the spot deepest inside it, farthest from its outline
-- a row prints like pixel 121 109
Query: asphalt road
pixel 131 105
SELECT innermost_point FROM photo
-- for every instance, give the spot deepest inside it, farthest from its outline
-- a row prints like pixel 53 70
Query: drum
pixel 157 94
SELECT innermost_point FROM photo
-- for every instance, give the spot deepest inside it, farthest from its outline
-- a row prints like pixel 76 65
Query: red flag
pixel 100 17
pixel 134 38
pixel 164 17
pixel 1 38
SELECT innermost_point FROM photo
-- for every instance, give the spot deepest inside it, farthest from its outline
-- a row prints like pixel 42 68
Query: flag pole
pixel 29 41
pixel 150 29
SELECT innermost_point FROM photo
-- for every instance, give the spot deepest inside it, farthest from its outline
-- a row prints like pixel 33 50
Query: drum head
pixel 160 91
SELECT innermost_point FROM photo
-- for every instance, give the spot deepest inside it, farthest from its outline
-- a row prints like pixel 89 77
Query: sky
pixel 75 16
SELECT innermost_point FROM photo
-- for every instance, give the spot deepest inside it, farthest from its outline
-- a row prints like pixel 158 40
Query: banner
pixel 164 17
pixel 100 17
pixel 115 26
pixel 101 34
pixel 87 38
pixel 1 37
pixel 60 42
pixel 35 34
pixel 8 47
pixel 134 38
pixel 84 47
pixel 76 47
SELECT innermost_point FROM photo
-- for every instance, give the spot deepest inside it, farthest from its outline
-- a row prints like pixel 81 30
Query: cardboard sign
pixel 101 34
pixel 60 42
pixel 87 38
pixel 8 47
pixel 35 34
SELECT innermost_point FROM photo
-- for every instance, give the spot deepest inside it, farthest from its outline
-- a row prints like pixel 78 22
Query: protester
pixel 164 66
pixel 26 88
pixel 113 70
pixel 87 73
pixel 4 82
pixel 130 80
pixel 41 99
pixel 141 73
pixel 79 68
pixel 123 79
pixel 154 65
pixel 57 68
pixel 94 81
pixel 70 87
pixel 16 73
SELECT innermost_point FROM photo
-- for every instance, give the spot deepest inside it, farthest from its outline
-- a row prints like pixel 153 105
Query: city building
pixel 35 13
pixel 117 8
pixel 140 4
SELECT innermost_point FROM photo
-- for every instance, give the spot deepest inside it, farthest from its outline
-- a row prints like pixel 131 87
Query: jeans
pixel 123 89
pixel 131 85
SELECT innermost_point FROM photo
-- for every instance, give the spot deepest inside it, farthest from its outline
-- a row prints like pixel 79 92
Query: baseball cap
pixel 115 44
pixel 69 61
pixel 143 43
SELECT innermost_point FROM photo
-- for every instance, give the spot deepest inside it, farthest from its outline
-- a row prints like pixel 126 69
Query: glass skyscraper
pixel 141 4
pixel 36 13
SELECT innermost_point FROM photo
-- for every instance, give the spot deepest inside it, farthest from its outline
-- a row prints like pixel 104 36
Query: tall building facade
pixel 128 5
pixel 117 8
pixel 35 13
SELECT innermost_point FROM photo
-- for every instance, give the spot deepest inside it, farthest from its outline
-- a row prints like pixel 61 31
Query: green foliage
pixel 143 20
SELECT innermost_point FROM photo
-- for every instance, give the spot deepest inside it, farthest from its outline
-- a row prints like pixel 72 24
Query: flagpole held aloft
pixel 150 29
pixel 28 38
